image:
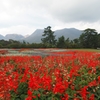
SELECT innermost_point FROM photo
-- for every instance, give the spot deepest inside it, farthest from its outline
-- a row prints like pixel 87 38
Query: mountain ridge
pixel 36 36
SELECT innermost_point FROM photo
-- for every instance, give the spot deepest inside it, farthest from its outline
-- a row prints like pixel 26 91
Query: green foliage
pixel 20 93
pixel 61 42
pixel 88 38
pixel 49 37
pixel 97 71
pixel 42 94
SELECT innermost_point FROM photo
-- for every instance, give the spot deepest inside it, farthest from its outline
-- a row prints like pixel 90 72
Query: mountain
pixel 70 33
pixel 1 37
pixel 14 37
pixel 35 37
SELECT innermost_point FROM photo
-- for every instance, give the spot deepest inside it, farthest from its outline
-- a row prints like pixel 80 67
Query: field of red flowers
pixel 71 75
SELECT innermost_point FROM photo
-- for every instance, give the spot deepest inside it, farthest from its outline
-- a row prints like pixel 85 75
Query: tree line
pixel 89 38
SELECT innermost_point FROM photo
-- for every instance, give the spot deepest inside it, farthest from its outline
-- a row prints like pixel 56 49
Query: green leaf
pixel 36 99
pixel 22 88
pixel 23 96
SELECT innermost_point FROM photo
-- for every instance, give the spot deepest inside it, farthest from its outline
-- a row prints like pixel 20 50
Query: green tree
pixel 98 40
pixel 76 43
pixel 67 43
pixel 49 37
pixel 61 42
pixel 88 39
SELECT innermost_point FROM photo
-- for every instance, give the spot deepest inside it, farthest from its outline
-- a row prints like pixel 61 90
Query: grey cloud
pixel 20 12
pixel 66 10
pixel 75 10
pixel 40 13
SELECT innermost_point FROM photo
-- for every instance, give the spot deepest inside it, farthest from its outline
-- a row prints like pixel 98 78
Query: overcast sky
pixel 25 16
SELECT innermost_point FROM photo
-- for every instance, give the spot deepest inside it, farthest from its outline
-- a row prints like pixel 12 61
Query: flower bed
pixel 3 51
pixel 75 77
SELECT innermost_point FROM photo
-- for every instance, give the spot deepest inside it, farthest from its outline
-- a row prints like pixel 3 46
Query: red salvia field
pixel 70 75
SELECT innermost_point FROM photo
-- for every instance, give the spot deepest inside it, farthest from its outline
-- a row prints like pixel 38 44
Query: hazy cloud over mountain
pixel 25 16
